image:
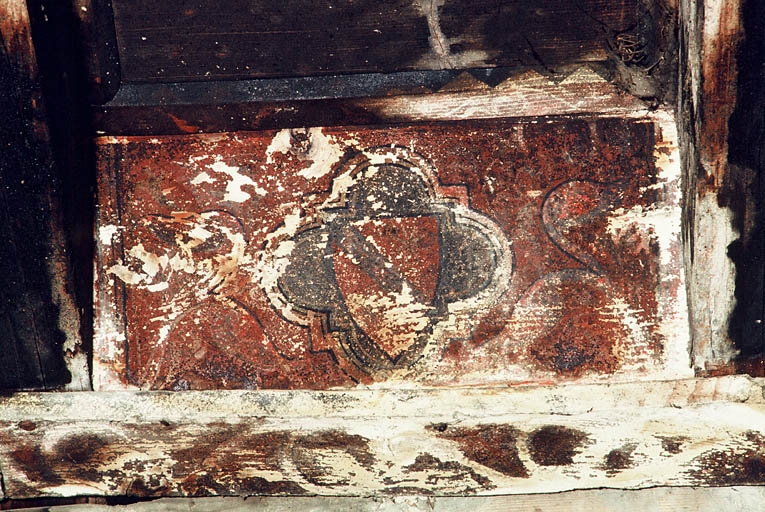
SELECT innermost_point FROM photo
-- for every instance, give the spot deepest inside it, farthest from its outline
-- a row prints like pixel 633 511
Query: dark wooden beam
pixel 171 42
pixel 33 269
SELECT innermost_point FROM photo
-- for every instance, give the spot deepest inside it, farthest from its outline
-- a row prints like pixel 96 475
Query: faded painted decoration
pixel 385 442
pixel 479 252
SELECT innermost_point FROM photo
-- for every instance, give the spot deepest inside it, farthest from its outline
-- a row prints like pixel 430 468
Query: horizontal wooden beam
pixel 664 499
pixel 384 442
pixel 441 95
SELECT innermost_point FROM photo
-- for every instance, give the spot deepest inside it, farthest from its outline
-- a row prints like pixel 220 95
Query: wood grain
pixel 201 41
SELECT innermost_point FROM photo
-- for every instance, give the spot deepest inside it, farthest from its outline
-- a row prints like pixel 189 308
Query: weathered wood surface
pixel 151 109
pixel 382 442
pixel 453 254
pixel 673 499
pixel 38 319
pixel 721 209
pixel 164 42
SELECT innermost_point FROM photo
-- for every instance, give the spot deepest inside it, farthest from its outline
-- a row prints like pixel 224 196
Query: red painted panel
pixel 461 253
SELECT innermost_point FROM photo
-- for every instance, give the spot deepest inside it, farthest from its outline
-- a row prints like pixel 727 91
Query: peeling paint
pixel 401 256
pixel 237 180
pixel 106 234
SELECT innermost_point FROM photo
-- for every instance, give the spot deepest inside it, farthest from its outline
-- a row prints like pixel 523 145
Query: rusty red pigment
pixel 447 254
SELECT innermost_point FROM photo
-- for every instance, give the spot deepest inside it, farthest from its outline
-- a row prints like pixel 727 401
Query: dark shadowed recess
pixel 43 504
pixel 31 354
pixel 744 192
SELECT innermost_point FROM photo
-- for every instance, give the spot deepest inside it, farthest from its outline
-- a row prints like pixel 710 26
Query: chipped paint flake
pixel 237 180
pixel 106 233
pixel 202 177
pixel 125 274
pixel 324 154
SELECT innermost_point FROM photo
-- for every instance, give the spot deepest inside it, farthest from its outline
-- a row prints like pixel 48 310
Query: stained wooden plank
pixel 458 442
pixel 152 109
pixel 163 42
pixel 677 499
pixel 421 254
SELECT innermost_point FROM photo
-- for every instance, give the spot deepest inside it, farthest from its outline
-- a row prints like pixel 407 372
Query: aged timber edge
pixel 722 205
pixel 699 432
pixel 658 499
pixel 380 401
pixel 195 107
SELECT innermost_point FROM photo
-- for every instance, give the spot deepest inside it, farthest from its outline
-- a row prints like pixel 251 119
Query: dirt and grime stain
pixel 742 464
pixel 672 445
pixel 491 445
pixel 208 485
pixel 454 472
pixel 308 453
pixel 210 459
pixel 233 449
pixel 81 448
pixel 78 457
pixel 34 464
pixel 27 425
pixel 555 445
pixel 618 459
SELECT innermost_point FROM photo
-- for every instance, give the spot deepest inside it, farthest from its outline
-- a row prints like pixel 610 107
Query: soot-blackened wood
pixel 192 107
pixel 721 129
pixel 745 192
pixel 76 55
pixel 160 41
pixel 31 342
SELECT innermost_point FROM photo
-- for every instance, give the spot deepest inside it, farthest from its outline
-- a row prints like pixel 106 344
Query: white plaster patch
pixel 158 287
pixel 199 233
pixel 660 223
pixel 150 261
pixel 323 151
pixel 125 274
